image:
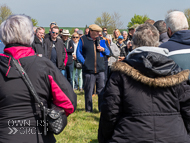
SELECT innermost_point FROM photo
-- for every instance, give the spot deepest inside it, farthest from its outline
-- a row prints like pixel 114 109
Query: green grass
pixel 82 127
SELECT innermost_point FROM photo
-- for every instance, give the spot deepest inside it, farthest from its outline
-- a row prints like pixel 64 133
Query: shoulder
pixel 59 41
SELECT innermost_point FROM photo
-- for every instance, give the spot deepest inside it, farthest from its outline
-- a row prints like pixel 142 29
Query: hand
pixel 70 47
pixel 101 49
pixel 129 44
pixel 121 58
pixel 74 57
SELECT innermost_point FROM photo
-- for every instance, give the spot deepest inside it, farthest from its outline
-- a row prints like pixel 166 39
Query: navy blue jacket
pixel 89 56
pixel 179 48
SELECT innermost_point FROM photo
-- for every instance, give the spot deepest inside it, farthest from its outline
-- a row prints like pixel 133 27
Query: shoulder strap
pixel 31 89
pixel 27 81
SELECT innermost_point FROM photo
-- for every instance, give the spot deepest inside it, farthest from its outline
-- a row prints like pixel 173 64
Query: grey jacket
pixel 116 53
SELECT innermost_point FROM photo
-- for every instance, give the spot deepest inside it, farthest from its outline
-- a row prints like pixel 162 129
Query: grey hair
pixel 161 26
pixel 17 29
pixel 146 35
pixel 124 32
pixel 177 21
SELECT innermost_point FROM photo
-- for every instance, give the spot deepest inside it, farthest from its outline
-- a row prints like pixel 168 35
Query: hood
pixel 182 37
pixel 151 66
pixel 166 81
pixel 162 51
pixel 152 61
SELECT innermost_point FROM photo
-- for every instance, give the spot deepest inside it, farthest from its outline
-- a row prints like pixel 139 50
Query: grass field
pixel 82 127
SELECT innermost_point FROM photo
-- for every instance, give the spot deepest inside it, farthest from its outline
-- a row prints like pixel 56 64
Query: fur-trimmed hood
pixel 166 81
pixel 152 68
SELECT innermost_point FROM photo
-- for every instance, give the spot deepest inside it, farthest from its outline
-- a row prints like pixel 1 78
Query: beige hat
pixel 95 27
pixel 65 32
pixel 53 23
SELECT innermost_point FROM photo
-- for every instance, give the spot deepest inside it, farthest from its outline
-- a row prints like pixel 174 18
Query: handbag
pixel 77 64
pixel 54 118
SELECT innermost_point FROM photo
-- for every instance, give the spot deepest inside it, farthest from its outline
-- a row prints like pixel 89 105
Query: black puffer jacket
pixel 146 100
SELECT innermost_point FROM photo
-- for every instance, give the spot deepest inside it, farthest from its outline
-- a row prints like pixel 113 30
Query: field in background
pixel 68 28
pixel 82 127
pixel 71 29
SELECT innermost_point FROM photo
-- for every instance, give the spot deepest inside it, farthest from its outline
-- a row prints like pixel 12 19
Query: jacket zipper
pixel 95 58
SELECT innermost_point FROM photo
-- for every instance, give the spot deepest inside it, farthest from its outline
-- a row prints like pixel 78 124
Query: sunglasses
pixel 75 37
pixel 53 24
pixel 54 33
pixel 105 30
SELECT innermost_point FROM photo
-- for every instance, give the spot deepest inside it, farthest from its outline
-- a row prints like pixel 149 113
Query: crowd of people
pixel 141 77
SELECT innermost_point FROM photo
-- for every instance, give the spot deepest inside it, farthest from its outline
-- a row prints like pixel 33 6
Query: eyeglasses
pixel 75 37
pixel 54 33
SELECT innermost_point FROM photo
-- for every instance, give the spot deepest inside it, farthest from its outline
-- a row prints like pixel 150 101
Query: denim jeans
pixel 63 72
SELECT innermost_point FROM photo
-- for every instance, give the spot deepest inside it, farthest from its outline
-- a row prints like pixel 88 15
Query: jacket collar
pixel 19 51
pixel 36 40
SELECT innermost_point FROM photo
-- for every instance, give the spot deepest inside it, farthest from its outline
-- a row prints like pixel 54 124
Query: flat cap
pixel 95 27
pixel 80 32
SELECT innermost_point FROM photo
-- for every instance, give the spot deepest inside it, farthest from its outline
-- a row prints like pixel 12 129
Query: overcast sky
pixel 79 13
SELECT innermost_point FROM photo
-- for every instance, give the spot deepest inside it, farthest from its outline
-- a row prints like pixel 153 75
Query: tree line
pixel 5 12
pixel 111 21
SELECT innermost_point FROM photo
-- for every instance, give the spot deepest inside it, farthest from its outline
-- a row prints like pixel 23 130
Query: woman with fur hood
pixel 147 98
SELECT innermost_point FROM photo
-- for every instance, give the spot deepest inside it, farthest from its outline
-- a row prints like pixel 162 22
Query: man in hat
pixel 55 50
pixel 131 31
pixel 90 52
pixel 70 49
pixel 52 24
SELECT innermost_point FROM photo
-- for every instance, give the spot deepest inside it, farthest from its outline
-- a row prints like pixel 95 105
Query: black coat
pixel 70 50
pixel 37 46
pixel 146 100
pixel 20 117
pixel 60 50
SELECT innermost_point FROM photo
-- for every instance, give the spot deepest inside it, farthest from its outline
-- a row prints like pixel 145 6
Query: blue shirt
pixel 2 46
